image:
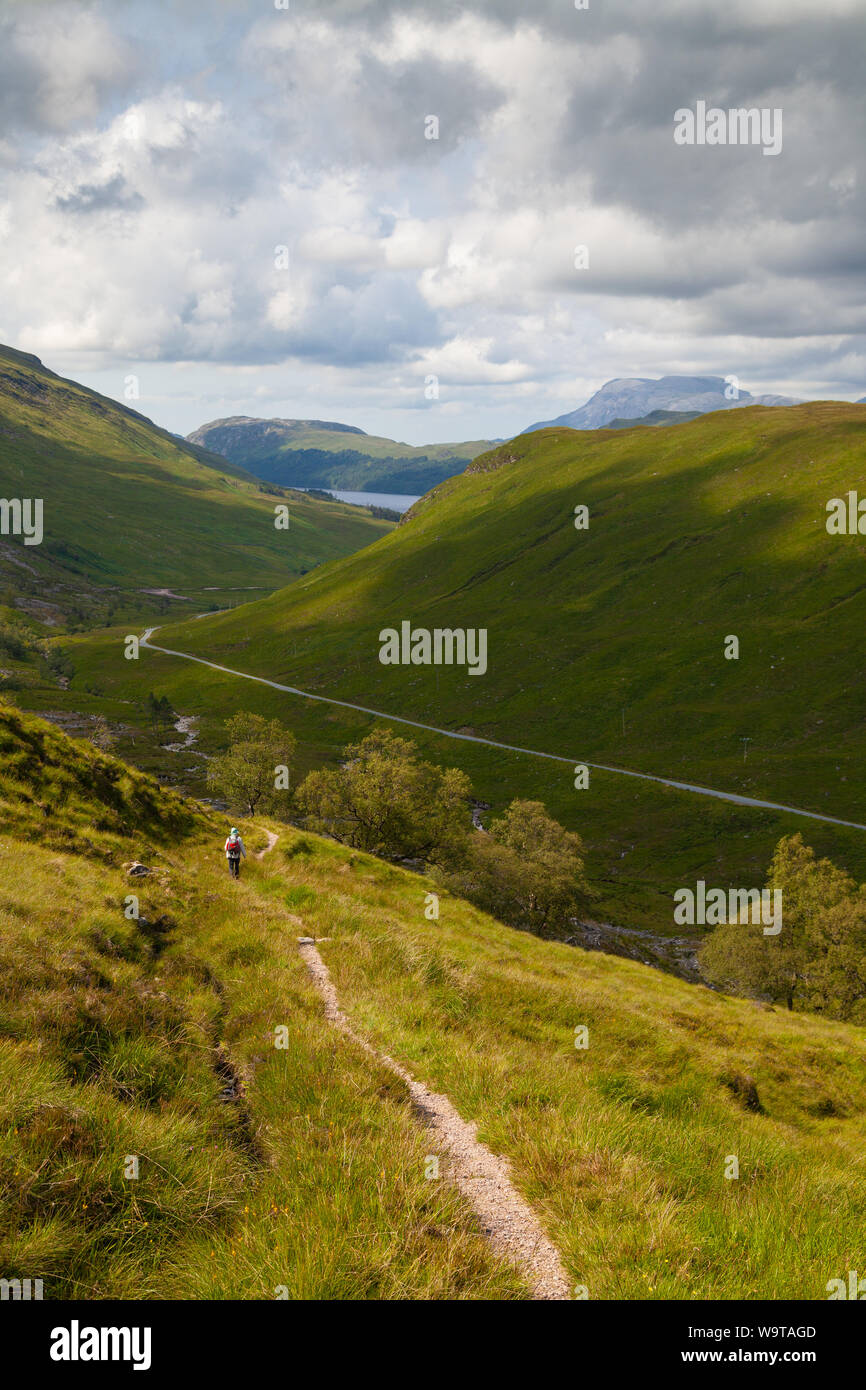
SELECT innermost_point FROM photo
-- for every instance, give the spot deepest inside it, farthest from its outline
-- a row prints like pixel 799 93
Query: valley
pixel 606 646
pixel 134 522
pixel 432 709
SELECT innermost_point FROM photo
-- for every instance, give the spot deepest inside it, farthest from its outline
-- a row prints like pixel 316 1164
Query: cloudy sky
pixel 155 156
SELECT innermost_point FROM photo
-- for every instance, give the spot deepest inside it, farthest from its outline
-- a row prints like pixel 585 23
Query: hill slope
pixel 153 1038
pixel 620 1146
pixel 655 418
pixel 303 1166
pixel 319 453
pixel 128 507
pixel 632 398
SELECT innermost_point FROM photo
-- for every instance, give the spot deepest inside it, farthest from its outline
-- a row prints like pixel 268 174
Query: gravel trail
pixel 507 1221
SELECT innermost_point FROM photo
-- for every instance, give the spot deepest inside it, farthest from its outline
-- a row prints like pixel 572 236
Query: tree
pixel 159 711
pixel 818 960
pixel 835 980
pixel 249 771
pixel 385 801
pixel 739 959
pixel 529 871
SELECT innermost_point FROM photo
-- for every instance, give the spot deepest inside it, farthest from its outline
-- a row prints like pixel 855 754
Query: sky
pixel 234 208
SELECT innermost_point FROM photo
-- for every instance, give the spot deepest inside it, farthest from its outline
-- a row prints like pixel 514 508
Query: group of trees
pixel 529 870
pixel 817 961
pixel 159 711
pixel 384 799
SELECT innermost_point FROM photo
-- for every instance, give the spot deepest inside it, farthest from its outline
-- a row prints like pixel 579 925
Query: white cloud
pixel 141 213
pixel 467 362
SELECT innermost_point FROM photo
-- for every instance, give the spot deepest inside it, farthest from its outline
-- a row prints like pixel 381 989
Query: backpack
pixel 233 845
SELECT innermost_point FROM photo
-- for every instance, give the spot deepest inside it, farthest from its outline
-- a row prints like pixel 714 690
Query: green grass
pixel 621 1147
pixel 120 1038
pixel 605 645
pixel 301 1168
pixel 128 507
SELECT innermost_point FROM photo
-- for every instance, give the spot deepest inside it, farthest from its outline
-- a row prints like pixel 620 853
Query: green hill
pixel 655 417
pixel 605 644
pixel 153 1038
pixel 129 508
pixel 303 1166
pixel 320 453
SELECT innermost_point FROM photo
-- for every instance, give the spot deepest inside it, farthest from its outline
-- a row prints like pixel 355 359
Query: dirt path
pixel 272 840
pixel 507 1221
pixel 733 797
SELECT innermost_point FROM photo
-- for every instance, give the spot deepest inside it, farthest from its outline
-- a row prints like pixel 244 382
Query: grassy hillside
pixel 258 1167
pixel 655 417
pixel 319 453
pixel 304 1166
pixel 621 1147
pixel 605 644
pixel 129 508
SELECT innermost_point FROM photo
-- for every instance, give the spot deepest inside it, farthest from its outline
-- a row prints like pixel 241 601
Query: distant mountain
pixel 324 454
pixel 633 398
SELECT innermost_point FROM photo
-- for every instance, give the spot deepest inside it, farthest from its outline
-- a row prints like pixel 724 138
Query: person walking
pixel 234 850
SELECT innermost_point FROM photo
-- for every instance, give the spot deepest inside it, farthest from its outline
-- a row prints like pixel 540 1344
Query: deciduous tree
pixel 385 800
pixel 818 960
pixel 246 773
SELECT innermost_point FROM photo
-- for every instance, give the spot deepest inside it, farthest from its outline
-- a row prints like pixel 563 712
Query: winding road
pixel 733 797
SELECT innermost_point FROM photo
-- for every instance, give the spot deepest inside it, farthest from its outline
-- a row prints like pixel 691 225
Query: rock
pixel 136 870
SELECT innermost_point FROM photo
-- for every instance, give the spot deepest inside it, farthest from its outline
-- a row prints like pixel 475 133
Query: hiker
pixel 234 850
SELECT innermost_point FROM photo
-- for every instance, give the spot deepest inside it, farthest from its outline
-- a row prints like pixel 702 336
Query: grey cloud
pixel 114 194
pixel 377 116
pixel 375 322
pixel 321 129
pixel 59 65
